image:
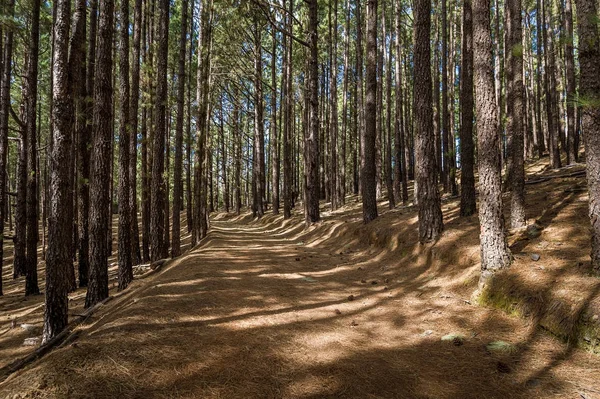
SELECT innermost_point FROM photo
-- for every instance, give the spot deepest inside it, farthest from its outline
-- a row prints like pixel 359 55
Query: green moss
pixel 497 299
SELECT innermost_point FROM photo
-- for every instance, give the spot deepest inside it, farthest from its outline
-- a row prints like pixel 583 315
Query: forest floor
pixel 271 309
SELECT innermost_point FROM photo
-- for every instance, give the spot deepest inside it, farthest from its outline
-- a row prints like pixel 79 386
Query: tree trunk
pixel 589 59
pixel 158 187
pixel 550 83
pixel 467 147
pixel 5 79
pixel 178 166
pixel 538 102
pixel 388 118
pixel 58 259
pixel 274 140
pixel 287 118
pixel 401 171
pixel 428 196
pixel 368 150
pixel 570 83
pixel 136 256
pixel 333 129
pixel 83 154
pixel 30 93
pixel 125 272
pixel 311 142
pixel 515 104
pixel 495 254
pixel 258 170
pixel 100 158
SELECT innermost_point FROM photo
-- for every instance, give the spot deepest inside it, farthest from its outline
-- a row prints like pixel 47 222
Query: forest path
pixel 264 312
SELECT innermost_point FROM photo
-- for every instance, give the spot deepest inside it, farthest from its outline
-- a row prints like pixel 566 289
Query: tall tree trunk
pixel 428 196
pixel 589 59
pixel 360 125
pixel 495 254
pixel 100 158
pixel 19 240
pixel 467 147
pixel 5 79
pixel 550 83
pixel 188 134
pixel 274 140
pixel 136 256
pixel 125 272
pixel 202 95
pixel 146 130
pixel 30 93
pixel 333 129
pixel 83 154
pixel 515 103
pixel 311 142
pixel 388 117
pixel 368 150
pixel 287 116
pixel 237 160
pixel 178 166
pixel 401 171
pixel 538 102
pixel 570 83
pixel 445 111
pixel 58 259
pixel 258 169
pixel 158 187
pixel 342 174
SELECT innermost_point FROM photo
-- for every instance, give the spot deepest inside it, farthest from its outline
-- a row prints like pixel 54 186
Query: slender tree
pixel 274 140
pixel 158 196
pixel 495 254
pixel 515 104
pixel 30 93
pixel 136 255
pixel 570 82
pixel 5 79
pixel 58 258
pixel 311 142
pixel 125 214
pixel 101 157
pixel 178 166
pixel 401 170
pixel 589 103
pixel 467 147
pixel 430 212
pixel 367 158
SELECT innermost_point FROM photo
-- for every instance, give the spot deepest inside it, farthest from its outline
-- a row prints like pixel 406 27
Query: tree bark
pixel 125 272
pixel 5 78
pixel 58 259
pixel 101 158
pixel 136 255
pixel 401 171
pixel 570 83
pixel 30 93
pixel 178 166
pixel 311 142
pixel 495 254
pixel 467 147
pixel 515 104
pixel 274 139
pixel 368 150
pixel 589 59
pixel 158 186
pixel 428 196
pixel 258 167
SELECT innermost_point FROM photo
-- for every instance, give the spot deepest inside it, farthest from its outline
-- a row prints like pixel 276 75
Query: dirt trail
pixel 265 311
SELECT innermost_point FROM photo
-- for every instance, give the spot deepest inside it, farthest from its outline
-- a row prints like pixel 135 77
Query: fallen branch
pixel 64 336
